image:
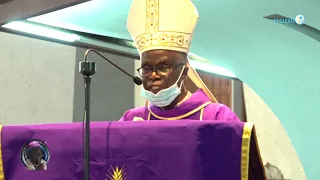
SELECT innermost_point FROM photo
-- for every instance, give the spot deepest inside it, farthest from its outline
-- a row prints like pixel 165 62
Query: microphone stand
pixel 87 69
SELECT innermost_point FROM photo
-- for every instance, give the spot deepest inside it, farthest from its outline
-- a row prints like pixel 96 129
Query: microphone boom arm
pixel 92 50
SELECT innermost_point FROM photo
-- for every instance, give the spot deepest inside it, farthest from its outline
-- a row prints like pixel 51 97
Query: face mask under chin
pixel 165 96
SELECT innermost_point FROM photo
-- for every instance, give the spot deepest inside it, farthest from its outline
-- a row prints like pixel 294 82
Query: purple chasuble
pixel 197 107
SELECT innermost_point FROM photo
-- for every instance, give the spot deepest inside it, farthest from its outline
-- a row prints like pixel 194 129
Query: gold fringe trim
pixel 201 113
pixel 181 116
pixel 1 161
pixel 245 150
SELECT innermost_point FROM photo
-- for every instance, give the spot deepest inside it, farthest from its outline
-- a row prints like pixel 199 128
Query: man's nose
pixel 154 75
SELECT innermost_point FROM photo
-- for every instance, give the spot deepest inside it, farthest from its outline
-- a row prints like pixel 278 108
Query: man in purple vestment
pixel 163 40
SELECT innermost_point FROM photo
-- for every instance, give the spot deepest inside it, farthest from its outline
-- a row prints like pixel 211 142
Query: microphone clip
pixel 87 68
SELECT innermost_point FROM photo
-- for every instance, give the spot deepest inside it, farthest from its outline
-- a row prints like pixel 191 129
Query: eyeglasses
pixel 161 70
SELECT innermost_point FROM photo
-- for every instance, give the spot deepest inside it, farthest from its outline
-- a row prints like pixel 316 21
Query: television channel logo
pixel 299 19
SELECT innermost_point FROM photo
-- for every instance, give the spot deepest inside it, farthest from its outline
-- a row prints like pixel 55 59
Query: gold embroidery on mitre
pixel 169 39
pixel 117 174
pixel 152 16
pixel 154 37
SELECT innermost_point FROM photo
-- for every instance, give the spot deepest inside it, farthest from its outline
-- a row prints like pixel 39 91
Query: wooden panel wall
pixel 220 87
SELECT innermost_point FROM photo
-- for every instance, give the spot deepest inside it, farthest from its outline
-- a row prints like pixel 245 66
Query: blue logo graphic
pixel 299 19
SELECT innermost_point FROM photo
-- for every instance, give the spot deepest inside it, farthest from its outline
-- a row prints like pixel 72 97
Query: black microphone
pixel 135 79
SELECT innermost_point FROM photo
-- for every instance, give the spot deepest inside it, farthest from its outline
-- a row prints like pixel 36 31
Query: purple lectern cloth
pixel 155 150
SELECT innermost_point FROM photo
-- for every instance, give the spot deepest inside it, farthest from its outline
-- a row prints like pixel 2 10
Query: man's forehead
pixel 157 56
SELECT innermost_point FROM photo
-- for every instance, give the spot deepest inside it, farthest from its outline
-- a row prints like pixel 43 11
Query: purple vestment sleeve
pixel 131 114
pixel 224 114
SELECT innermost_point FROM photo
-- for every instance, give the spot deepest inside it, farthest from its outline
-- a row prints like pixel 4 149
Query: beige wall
pixel 36 81
pixel 275 145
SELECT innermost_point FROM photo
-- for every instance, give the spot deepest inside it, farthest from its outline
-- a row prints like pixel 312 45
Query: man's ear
pixel 185 73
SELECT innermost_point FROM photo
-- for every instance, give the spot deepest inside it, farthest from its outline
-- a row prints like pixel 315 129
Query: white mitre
pixel 167 25
pixel 162 24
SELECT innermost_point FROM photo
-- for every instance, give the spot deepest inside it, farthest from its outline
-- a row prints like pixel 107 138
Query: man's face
pixel 168 64
pixel 37 156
